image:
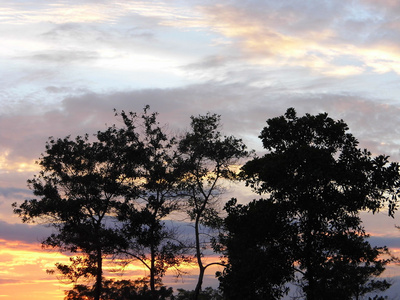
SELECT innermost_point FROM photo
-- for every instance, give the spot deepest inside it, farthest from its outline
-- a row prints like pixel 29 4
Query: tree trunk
pixel 310 276
pixel 99 274
pixel 199 261
pixel 152 273
pixel 199 283
pixel 310 293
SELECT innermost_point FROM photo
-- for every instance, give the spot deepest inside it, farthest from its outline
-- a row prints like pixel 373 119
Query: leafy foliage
pixel 207 294
pixel 121 290
pixel 108 198
pixel 151 162
pixel 315 171
pixel 80 190
pixel 258 245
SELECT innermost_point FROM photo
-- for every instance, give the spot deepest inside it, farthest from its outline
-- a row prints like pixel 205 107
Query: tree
pixel 258 242
pixel 208 158
pixel 80 189
pixel 152 163
pixel 109 198
pixel 315 170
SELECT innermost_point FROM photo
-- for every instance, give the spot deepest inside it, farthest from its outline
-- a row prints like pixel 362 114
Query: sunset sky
pixel 66 64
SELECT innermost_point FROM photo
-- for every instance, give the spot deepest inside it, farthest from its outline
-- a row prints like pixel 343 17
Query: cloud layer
pixel 67 65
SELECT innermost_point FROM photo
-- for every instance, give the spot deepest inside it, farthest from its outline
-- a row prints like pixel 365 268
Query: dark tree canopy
pixel 121 290
pixel 315 171
pixel 156 178
pixel 258 245
pixel 111 195
pixel 206 294
pixel 79 190
pixel 108 198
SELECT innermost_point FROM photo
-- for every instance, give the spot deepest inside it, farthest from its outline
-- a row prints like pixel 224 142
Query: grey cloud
pixel 66 90
pixel 289 16
pixel 13 192
pixel 301 17
pixel 364 23
pixel 214 61
pixel 383 6
pixel 394 291
pixel 10 281
pixel 23 232
pixel 64 56
pixel 131 31
pixel 244 110
pixel 139 32
pixel 380 241
pixel 66 30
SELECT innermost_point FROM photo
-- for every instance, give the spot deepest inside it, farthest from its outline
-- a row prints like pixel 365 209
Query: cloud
pixel 30 234
pixel 213 61
pixel 13 192
pixel 64 90
pixel 9 281
pixel 244 110
pixel 390 242
pixel 66 66
pixel 65 56
pixel 58 12
pixel 291 33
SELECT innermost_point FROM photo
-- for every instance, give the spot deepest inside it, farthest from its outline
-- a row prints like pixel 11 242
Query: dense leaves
pixel 113 195
pixel 315 171
pixel 152 164
pixel 121 290
pixel 259 247
pixel 207 294
pixel 108 198
pixel 80 189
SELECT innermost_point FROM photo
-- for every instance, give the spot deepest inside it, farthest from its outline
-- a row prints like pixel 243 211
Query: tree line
pixel 117 196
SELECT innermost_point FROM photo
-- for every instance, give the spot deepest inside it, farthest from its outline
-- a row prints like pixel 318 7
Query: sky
pixel 65 65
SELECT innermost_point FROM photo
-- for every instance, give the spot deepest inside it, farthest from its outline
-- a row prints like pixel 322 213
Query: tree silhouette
pixel 208 158
pixel 109 198
pixel 315 170
pixel 151 163
pixel 79 190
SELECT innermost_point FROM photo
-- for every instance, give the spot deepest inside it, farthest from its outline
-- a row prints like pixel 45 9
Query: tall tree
pixel 155 179
pixel 208 158
pixel 315 169
pixel 109 197
pixel 80 189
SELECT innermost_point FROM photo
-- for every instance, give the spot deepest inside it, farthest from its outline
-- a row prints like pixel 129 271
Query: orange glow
pixel 7 165
pixel 23 272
